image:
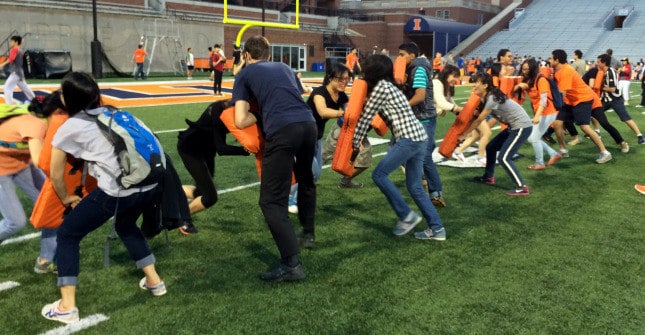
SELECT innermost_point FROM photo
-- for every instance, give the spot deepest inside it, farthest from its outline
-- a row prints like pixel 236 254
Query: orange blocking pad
pixel 462 122
pixel 342 155
pixel 249 137
pixel 399 70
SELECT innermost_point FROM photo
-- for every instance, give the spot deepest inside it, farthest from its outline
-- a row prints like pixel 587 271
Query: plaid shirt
pixel 391 104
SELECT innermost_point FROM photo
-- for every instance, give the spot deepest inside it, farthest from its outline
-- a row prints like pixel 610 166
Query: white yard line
pixel 83 323
pixel 20 238
pixel 8 285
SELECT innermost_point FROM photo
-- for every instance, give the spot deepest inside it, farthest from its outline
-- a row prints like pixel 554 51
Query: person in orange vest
pixel 437 63
pixel 139 57
pixel 471 66
pixel 351 62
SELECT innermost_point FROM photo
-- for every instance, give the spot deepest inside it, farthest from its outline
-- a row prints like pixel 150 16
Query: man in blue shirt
pixel 290 138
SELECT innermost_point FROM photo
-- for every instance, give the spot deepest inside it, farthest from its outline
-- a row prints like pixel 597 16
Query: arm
pixel 223 149
pixel 324 111
pixel 57 173
pixel 243 118
pixel 482 116
pixel 35 146
pixel 440 100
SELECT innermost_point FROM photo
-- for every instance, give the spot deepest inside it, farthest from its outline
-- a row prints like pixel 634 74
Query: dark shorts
pixel 191 67
pixel 580 113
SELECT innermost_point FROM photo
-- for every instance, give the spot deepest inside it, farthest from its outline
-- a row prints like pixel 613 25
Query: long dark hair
pixel 487 79
pixel 443 77
pixel 44 106
pixel 377 68
pixel 534 70
pixel 80 92
pixel 336 70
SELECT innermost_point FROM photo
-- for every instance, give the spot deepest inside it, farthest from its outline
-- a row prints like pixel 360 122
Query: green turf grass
pixel 568 259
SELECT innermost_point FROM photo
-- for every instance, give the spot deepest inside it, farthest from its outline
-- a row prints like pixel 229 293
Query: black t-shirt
pixel 591 74
pixel 322 91
pixel 237 55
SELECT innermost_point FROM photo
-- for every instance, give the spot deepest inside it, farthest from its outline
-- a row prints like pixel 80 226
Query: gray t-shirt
pixel 510 112
pixel 81 137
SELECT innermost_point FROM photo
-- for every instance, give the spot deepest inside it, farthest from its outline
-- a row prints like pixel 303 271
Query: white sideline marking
pixel 20 238
pixel 168 131
pixel 83 323
pixel 8 285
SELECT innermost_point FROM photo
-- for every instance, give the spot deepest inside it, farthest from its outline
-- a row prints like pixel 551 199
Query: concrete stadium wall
pixel 119 35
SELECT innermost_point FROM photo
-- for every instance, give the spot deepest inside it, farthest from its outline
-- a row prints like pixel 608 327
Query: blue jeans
pixel 29 180
pixel 139 72
pixel 91 213
pixel 411 154
pixel 539 146
pixel 429 168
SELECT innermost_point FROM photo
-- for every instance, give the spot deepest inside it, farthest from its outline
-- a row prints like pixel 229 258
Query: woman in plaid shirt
pixel 409 147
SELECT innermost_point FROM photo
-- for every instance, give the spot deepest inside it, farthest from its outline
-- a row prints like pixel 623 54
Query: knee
pixel 209 200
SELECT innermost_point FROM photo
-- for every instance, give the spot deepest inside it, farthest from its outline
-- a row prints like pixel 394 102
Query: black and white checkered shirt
pixel 388 101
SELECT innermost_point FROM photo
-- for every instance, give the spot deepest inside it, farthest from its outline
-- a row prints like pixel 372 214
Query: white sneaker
pixel 51 312
pixel 458 156
pixel 481 161
pixel 604 157
pixel 624 147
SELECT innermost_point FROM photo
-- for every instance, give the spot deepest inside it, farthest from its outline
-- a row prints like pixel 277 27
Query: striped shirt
pixel 390 103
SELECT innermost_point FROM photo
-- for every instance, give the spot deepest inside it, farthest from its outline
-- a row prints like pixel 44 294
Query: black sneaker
pixel 283 272
pixel 307 240
pixel 188 229
pixel 641 140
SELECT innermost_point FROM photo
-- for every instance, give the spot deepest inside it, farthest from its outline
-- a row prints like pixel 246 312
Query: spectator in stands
pixel 612 98
pixel 80 137
pixel 408 149
pixel 16 72
pixel 578 101
pixel 419 92
pixel 624 79
pixel 506 144
pixel 578 63
pixel 190 63
pixel 218 66
pixel 139 57
pixel 290 133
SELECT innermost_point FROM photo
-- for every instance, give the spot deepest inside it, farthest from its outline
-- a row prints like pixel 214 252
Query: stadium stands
pixel 554 24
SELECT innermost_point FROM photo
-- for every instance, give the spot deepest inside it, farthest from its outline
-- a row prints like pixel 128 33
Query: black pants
pixel 204 185
pixel 599 114
pixel 294 141
pixel 217 82
pixel 643 93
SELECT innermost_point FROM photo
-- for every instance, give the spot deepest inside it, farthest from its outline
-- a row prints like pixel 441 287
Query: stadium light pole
pixel 97 65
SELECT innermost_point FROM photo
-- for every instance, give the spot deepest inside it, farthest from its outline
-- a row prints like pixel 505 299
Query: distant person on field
pixel 352 63
pixel 190 63
pixel 139 57
pixel 578 63
pixel 624 79
pixel 218 66
pixel 16 72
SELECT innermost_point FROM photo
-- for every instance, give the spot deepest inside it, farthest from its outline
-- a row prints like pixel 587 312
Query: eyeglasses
pixel 342 78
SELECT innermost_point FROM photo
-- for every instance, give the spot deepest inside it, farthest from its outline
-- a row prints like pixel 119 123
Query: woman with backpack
pixel 81 137
pixel 539 91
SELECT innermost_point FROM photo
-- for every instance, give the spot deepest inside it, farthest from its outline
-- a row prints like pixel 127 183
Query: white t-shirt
pixel 81 137
pixel 190 59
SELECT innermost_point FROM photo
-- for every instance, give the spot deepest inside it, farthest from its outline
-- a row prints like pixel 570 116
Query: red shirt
pixel 217 66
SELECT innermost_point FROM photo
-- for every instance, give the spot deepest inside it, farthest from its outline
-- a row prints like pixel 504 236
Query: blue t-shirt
pixel 274 86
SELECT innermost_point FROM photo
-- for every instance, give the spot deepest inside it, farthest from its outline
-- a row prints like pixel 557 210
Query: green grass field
pixel 566 260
